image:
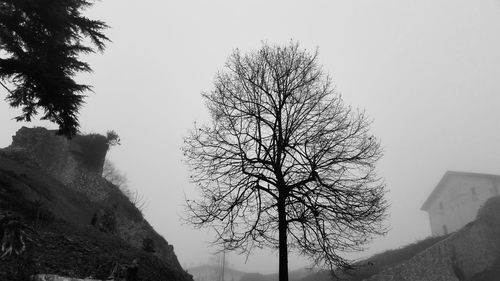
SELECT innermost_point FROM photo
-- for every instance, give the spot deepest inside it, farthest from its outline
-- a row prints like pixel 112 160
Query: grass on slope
pixel 69 250
pixel 378 262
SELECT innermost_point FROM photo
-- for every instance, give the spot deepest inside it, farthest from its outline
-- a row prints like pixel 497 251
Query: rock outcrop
pixel 63 177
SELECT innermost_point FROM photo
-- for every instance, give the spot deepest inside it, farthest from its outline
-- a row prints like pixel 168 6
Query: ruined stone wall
pixel 61 158
pixel 469 251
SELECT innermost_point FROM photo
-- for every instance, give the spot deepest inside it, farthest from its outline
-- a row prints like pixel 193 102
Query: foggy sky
pixel 427 73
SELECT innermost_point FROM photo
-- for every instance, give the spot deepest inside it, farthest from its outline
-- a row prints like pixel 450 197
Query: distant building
pixel 455 200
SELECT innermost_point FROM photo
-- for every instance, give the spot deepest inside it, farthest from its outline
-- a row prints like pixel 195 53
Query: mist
pixel 425 72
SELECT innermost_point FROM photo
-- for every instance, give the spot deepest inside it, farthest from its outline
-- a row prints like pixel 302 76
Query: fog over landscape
pixel 426 72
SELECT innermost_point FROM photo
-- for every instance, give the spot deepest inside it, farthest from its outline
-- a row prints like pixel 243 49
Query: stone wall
pixel 469 251
pixel 61 158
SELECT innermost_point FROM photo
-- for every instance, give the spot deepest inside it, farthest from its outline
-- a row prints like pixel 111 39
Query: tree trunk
pixel 283 244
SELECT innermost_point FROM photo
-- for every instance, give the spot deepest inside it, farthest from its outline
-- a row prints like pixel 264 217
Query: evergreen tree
pixel 40 44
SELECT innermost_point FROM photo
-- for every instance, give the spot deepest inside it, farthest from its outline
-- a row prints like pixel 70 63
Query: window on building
pixel 445 230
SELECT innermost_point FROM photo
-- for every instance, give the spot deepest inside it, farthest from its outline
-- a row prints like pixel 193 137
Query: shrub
pixel 148 245
pixel 107 222
pixel 490 212
pixel 14 235
pixel 112 138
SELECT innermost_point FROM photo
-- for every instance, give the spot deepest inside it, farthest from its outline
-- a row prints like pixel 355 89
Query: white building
pixel 455 200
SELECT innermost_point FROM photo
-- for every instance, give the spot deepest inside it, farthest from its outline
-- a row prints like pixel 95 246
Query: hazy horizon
pixel 426 72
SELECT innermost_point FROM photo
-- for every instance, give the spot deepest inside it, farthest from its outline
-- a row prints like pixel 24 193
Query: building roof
pixel 445 177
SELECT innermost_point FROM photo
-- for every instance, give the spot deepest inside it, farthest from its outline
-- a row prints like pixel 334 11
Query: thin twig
pixel 5 87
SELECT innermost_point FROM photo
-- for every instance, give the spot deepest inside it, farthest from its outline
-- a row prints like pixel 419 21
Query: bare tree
pixel 114 176
pixel 284 163
pixel 118 178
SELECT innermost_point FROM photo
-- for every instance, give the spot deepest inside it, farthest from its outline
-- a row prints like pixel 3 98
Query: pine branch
pixel 5 87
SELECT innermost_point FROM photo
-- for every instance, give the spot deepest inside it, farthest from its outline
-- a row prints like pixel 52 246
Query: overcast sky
pixel 427 72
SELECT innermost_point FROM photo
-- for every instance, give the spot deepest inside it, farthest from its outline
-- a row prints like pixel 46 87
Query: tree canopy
pixel 284 162
pixel 40 44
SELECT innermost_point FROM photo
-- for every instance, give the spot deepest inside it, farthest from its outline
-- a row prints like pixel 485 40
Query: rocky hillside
pixel 471 254
pixel 82 225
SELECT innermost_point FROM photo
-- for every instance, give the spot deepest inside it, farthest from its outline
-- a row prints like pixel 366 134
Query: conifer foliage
pixel 40 44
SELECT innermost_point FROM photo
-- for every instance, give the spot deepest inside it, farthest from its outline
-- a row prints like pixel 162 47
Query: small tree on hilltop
pixel 112 138
pixel 40 42
pixel 284 163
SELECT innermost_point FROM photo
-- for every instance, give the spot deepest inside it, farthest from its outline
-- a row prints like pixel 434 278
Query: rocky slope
pixel 472 254
pixel 55 186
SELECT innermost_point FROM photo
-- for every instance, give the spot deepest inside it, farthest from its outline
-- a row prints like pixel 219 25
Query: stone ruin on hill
pixel 77 164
